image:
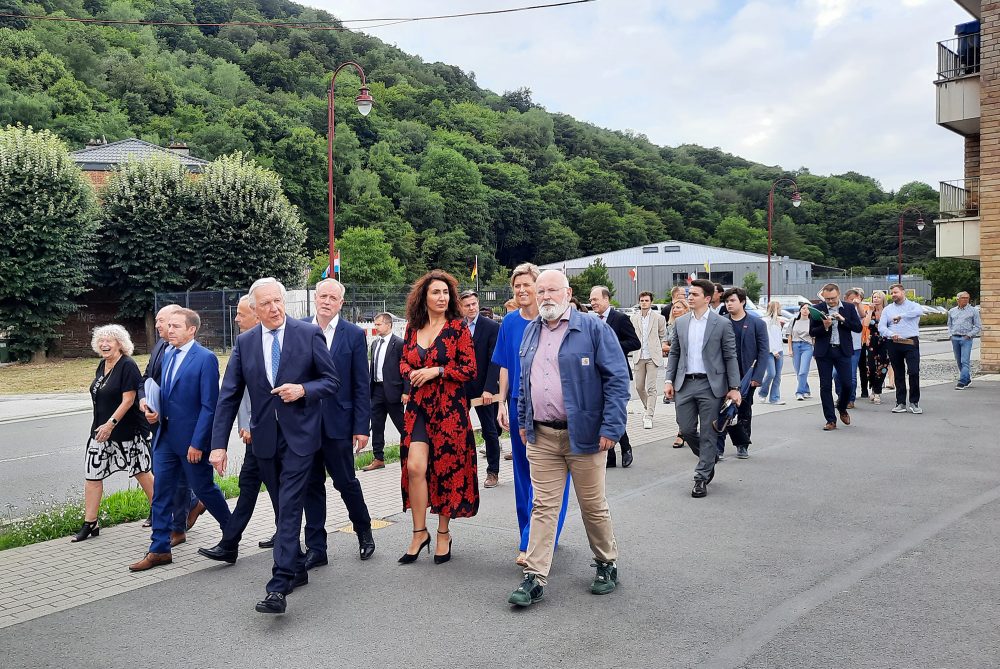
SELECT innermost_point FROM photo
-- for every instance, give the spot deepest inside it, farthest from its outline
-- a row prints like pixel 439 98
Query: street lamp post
pixel 364 102
pixel 920 226
pixel 796 201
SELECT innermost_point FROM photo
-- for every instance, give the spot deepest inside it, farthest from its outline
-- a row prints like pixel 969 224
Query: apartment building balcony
pixel 957 229
pixel 974 7
pixel 958 84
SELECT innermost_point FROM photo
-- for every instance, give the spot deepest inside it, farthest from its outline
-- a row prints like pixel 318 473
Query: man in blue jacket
pixel 752 351
pixel 571 409
pixel 189 389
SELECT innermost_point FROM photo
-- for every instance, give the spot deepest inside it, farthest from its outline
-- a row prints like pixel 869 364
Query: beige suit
pixel 649 358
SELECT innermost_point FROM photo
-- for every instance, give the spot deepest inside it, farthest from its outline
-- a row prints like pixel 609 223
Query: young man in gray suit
pixel 702 371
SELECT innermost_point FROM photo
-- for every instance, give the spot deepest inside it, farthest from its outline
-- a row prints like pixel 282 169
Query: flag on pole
pixel 691 277
pixel 708 267
pixel 336 263
pixel 475 268
pixel 564 267
pixel 633 274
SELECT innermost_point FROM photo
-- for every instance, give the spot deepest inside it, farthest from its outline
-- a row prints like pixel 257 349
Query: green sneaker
pixel 606 579
pixel 529 592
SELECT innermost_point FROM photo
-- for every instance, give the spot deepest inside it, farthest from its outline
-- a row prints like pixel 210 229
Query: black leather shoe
pixel 300 579
pixel 273 603
pixel 700 489
pixel 267 543
pixel 627 459
pixel 218 552
pixel 366 543
pixel 315 559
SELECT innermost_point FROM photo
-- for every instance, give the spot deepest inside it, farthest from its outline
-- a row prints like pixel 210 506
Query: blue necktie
pixel 171 356
pixel 472 328
pixel 275 356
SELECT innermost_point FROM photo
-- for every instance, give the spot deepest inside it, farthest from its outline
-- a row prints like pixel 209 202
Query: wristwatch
pixel 440 371
pixel 114 421
pixel 734 387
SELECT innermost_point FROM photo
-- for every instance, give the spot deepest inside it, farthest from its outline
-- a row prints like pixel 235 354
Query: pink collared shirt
pixel 546 382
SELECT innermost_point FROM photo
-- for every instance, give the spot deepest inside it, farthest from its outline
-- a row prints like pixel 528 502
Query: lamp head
pixel 920 224
pixel 364 101
pixel 796 199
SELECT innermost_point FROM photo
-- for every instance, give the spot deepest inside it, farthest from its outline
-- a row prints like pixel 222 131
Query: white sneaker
pixel 778 402
pixel 899 408
pixel 914 409
pixel 647 423
pixel 799 396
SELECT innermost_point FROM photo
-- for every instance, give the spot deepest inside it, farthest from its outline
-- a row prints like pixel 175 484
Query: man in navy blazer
pixel 390 391
pixel 628 338
pixel 189 389
pixel 287 368
pixel 487 382
pixel 833 349
pixel 752 350
pixel 346 421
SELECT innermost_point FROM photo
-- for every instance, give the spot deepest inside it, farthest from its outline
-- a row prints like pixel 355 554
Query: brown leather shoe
pixel 177 538
pixel 193 514
pixel 151 560
pixel 845 418
pixel 850 405
pixel 491 480
pixel 375 464
pixel 830 426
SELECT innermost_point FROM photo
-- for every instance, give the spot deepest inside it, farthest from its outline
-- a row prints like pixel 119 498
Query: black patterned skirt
pixel 109 457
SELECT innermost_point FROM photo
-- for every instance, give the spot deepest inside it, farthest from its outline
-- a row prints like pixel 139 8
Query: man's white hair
pixel 266 281
pixel 244 299
pixel 332 282
pixel 169 308
pixel 113 331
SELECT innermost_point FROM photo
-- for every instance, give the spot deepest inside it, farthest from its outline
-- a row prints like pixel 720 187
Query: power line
pixel 291 25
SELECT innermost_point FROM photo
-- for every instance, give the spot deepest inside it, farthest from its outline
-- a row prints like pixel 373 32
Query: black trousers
pixel 626 448
pixel 250 480
pixel 905 361
pixel 336 457
pixel 825 365
pixel 381 407
pixel 288 473
pixel 488 422
pixel 740 433
pixel 863 382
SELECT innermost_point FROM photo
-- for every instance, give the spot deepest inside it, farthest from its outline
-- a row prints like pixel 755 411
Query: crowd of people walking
pixel 307 395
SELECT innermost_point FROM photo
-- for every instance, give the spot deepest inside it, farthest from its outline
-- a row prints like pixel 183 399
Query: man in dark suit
pixel 227 549
pixel 346 421
pixel 833 349
pixel 600 302
pixel 287 368
pixel 487 382
pixel 189 388
pixel 389 388
pixel 752 350
pixel 702 372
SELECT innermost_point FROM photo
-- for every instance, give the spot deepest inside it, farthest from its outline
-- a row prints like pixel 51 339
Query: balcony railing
pixel 960 198
pixel 958 57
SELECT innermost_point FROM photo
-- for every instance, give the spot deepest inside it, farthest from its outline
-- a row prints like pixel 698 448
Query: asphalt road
pixel 872 546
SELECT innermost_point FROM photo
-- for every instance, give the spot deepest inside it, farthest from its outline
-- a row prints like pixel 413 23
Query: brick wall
pixel 76 332
pixel 97 179
pixel 972 157
pixel 989 167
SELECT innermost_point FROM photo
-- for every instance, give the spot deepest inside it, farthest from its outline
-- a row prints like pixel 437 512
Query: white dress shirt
pixel 267 341
pixel 179 355
pixel 329 330
pixel 380 355
pixel 644 325
pixel 696 342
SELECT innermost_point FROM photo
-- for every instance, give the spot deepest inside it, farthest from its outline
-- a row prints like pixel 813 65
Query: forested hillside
pixel 449 170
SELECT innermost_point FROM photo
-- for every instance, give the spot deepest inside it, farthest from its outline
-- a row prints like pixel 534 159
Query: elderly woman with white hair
pixel 119 435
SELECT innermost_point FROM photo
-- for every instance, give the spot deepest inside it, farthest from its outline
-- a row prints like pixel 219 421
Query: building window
pixel 649 249
pixel 672 248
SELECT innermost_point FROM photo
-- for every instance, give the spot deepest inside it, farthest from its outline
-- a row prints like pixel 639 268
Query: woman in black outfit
pixel 119 435
pixel 878 354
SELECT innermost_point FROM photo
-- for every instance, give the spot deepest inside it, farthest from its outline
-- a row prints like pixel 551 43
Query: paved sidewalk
pixel 26 407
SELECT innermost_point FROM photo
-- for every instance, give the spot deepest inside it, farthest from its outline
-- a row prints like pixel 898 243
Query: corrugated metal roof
pixel 106 156
pixel 669 252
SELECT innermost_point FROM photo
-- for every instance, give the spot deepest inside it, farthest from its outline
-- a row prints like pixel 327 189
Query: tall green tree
pixel 365 257
pixel 950 276
pixel 147 218
pixel 248 228
pixel 596 274
pixel 47 218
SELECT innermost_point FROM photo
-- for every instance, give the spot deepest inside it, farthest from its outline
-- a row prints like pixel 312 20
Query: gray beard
pixel 553 312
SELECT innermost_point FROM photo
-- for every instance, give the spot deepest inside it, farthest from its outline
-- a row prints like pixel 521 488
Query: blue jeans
pixel 852 394
pixel 770 389
pixel 802 355
pixel 963 355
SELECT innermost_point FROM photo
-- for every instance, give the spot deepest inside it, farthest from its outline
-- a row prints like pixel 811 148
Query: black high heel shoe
pixel 441 559
pixel 412 557
pixel 88 530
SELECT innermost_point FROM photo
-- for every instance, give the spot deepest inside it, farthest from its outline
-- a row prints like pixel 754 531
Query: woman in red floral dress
pixel 438 450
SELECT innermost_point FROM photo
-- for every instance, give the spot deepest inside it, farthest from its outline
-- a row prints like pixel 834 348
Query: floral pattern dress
pixel 452 477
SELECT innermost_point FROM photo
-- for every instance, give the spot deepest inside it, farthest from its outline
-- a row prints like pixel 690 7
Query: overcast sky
pixel 831 85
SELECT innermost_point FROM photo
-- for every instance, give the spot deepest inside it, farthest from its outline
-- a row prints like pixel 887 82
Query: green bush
pixel 930 320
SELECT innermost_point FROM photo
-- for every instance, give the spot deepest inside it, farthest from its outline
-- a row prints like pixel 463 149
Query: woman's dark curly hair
pixel 416 303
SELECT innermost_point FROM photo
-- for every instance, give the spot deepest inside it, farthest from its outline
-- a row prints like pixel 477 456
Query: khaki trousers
pixel 645 384
pixel 549 459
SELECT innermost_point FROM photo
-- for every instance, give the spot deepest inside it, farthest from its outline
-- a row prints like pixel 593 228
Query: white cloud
pixel 832 85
